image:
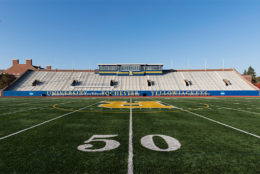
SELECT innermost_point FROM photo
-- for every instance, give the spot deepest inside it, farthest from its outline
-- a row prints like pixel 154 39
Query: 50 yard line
pixel 130 148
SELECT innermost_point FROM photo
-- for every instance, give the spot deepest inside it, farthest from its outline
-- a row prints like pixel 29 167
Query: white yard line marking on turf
pixel 42 123
pixel 14 105
pixel 28 109
pixel 223 124
pixel 240 110
pixel 130 152
pixel 8 113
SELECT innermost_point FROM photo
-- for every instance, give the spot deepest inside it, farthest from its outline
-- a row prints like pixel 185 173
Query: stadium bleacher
pixel 182 82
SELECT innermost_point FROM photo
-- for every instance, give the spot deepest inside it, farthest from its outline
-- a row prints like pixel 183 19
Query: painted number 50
pixel 146 141
pixel 110 144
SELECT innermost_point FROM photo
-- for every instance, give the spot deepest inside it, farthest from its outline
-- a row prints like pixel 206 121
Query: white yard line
pixel 28 109
pixel 18 104
pixel 235 109
pixel 14 104
pixel 240 110
pixel 130 152
pixel 42 123
pixel 223 124
pixel 8 113
pixel 28 102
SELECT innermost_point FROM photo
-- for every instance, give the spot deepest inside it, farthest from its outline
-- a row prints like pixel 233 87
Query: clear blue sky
pixel 81 34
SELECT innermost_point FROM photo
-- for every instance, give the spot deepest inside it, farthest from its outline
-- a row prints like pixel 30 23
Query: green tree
pixel 257 79
pixel 251 71
pixel 5 80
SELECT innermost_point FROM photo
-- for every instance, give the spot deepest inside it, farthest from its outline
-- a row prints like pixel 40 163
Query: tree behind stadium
pixel 5 80
pixel 251 71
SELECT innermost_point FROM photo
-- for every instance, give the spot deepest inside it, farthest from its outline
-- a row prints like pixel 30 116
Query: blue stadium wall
pixel 131 93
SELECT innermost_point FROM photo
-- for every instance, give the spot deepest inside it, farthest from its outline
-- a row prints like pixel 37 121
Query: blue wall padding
pixel 133 93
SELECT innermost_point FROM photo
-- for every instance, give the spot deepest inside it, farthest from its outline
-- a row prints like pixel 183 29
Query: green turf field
pixel 197 135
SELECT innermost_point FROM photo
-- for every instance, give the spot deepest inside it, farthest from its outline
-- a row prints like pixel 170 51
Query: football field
pixel 130 135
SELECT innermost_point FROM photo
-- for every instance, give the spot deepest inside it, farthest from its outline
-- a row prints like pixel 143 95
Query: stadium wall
pixel 132 93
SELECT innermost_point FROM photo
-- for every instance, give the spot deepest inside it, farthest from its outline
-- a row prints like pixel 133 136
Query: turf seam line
pixel 42 123
pixel 223 124
pixel 130 152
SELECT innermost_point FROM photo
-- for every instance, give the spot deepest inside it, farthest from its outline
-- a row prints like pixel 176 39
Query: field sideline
pixel 130 135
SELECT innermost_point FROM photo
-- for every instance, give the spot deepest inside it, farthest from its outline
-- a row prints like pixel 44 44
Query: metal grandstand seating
pixel 200 80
